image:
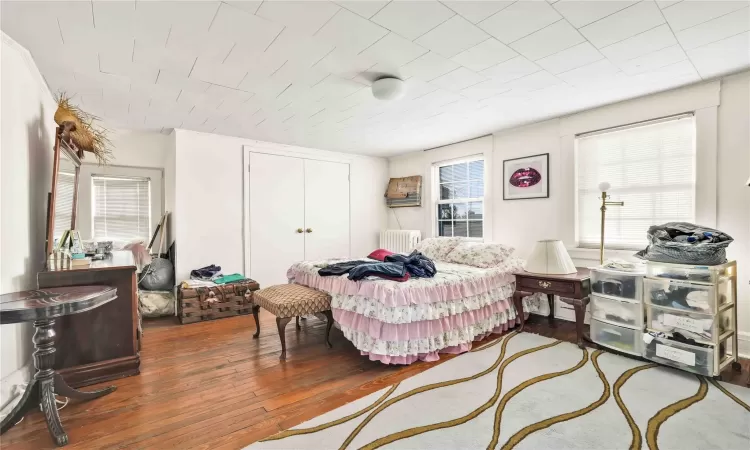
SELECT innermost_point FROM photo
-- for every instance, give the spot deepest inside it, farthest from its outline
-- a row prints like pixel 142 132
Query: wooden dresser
pixel 104 343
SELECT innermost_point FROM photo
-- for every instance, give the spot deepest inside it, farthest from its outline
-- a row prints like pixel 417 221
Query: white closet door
pixel 276 202
pixel 326 210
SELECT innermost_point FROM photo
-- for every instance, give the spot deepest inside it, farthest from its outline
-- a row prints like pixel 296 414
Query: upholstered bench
pixel 291 300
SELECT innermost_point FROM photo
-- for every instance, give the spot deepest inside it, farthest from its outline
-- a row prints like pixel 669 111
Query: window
pixel 650 166
pixel 64 202
pixel 121 207
pixel 460 205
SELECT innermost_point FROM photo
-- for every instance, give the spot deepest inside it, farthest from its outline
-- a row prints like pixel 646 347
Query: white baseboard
pixel 8 395
pixel 743 342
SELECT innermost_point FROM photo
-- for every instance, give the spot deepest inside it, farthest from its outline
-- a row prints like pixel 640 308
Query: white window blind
pixel 121 207
pixel 460 204
pixel 650 166
pixel 64 202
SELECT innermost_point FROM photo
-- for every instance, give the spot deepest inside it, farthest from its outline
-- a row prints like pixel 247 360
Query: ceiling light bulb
pixel 388 89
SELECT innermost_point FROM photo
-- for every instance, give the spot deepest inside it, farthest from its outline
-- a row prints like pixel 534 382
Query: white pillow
pixel 439 247
pixel 479 254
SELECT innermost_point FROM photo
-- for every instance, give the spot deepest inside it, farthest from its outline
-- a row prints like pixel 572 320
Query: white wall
pixel 722 111
pixel 208 200
pixel 169 185
pixel 139 148
pixel 26 117
pixel 421 163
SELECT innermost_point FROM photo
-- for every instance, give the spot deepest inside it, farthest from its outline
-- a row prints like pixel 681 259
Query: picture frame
pixel 526 177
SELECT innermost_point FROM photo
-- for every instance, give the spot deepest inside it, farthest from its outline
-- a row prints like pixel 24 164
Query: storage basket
pixel 215 302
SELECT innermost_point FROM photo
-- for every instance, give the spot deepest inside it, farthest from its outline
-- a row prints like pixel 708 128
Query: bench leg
pixel 298 327
pixel 256 310
pixel 329 319
pixel 281 325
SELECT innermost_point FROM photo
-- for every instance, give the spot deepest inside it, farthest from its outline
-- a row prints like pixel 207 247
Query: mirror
pixel 63 200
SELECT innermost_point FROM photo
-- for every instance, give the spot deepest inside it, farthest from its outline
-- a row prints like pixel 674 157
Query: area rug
pixel 526 391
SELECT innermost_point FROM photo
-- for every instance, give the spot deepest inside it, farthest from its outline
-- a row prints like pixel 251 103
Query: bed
pixel 403 322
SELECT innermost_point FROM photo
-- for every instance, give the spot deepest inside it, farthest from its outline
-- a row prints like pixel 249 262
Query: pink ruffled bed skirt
pixel 435 356
pixel 417 330
pixel 404 294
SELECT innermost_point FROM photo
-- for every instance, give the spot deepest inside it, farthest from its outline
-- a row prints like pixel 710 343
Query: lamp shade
pixel 550 257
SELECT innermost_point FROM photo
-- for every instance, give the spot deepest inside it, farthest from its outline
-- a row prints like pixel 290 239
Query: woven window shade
pixel 651 167
pixel 64 202
pixel 121 208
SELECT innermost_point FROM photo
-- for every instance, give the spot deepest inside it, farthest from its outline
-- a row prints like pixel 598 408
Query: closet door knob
pixel 299 230
pixel 309 230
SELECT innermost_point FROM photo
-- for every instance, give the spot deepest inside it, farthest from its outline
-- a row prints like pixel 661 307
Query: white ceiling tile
pixel 671 76
pixel 715 30
pixel 536 80
pixel 265 90
pixel 117 17
pixel 116 64
pixel 344 64
pixel 589 72
pixel 641 44
pixel 177 81
pixel 365 8
pixel 452 37
pixel 623 24
pixel 428 67
pixel 236 25
pixel 202 44
pixel 511 69
pixel 174 15
pixel 690 13
pixel 299 47
pixel 727 55
pixel 161 58
pixel 458 79
pixel 476 11
pixel 154 92
pixel 228 93
pixel 304 16
pixel 250 6
pixel 258 64
pixel 519 19
pixel 412 19
pixel 568 59
pixel 547 41
pixel 583 12
pixel 190 99
pixel 393 49
pixel 484 55
pixel 350 32
pixel 654 60
pixel 299 74
pixel 666 3
pixel 221 74
pixel 103 80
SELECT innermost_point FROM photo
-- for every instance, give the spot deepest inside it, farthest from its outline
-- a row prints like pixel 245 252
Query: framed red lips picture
pixel 526 177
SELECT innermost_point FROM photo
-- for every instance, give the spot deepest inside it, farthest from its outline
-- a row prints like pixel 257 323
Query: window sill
pixel 593 254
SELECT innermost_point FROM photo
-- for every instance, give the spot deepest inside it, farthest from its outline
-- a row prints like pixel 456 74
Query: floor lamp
pixel 604 187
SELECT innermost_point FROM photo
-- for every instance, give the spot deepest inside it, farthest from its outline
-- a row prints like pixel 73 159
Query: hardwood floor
pixel 209 385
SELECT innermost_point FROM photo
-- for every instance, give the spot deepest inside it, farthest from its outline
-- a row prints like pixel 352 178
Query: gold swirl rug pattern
pixel 532 392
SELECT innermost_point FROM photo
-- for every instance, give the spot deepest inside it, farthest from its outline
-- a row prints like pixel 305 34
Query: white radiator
pixel 400 241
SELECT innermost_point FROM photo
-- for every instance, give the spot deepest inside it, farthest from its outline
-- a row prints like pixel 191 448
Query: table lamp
pixel 604 187
pixel 550 257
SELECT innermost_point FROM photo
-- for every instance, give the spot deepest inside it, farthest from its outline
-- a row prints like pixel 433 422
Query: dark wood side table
pixel 573 289
pixel 43 306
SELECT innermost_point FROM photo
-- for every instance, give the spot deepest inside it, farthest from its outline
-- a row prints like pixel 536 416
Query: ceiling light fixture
pixel 388 88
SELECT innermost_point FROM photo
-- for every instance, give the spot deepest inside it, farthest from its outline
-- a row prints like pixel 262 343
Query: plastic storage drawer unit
pixel 685 295
pixel 701 327
pixel 606 309
pixel 688 357
pixel 699 274
pixel 617 284
pixel 619 338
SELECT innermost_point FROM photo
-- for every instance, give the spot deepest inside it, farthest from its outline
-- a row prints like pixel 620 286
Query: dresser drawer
pixel 564 287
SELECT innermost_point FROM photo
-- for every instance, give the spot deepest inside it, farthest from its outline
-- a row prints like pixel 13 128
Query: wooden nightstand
pixel 573 289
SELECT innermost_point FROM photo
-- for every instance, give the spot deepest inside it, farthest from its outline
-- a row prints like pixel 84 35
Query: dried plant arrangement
pixel 87 135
